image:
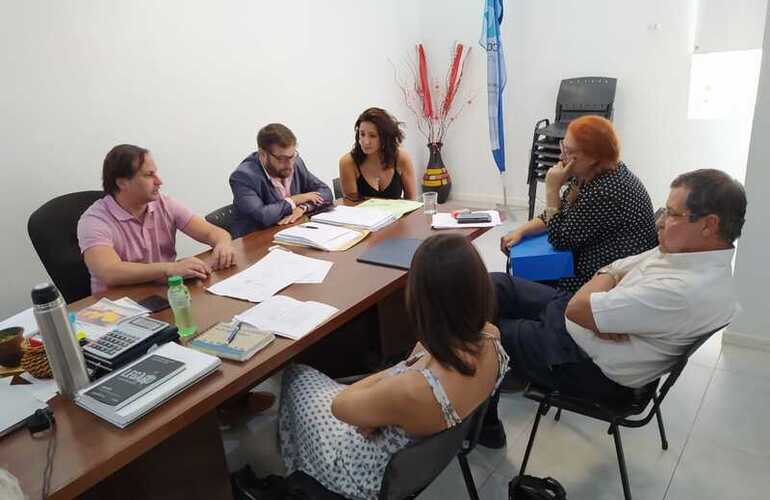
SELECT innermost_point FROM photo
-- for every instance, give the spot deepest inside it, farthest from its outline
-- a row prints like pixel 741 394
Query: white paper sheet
pixel 271 274
pixel 24 319
pixel 41 389
pixel 444 220
pixel 286 316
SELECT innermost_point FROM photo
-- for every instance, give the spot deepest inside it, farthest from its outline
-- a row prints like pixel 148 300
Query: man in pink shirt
pixel 129 236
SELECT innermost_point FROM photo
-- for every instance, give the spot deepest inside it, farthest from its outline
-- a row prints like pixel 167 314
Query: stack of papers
pixel 271 274
pixel 397 207
pixel 286 316
pixel 321 236
pixel 444 220
pixel 370 219
pixel 126 395
pixel 98 319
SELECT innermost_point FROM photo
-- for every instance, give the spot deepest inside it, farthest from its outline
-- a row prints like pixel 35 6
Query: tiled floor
pixel 716 419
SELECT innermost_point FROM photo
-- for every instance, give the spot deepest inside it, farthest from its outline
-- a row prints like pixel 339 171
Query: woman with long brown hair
pixel 377 167
pixel 344 436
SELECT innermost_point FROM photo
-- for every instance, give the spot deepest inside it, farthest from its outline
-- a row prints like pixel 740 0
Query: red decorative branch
pixel 435 106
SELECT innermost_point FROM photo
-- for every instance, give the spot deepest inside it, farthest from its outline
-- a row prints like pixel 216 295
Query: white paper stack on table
pixel 286 316
pixel 444 220
pixel 271 274
pixel 127 394
pixel 318 235
pixel 370 219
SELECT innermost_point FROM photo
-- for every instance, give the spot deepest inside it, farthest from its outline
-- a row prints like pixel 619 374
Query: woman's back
pixel 441 396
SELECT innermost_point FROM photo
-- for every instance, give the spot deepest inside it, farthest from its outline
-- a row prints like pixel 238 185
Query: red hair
pixel 595 136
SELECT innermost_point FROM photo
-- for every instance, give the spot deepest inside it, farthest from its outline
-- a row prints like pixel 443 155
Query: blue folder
pixel 536 260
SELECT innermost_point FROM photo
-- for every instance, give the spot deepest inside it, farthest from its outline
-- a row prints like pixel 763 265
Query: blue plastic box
pixel 536 260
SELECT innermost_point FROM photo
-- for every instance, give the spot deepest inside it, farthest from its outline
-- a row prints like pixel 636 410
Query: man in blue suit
pixel 273 185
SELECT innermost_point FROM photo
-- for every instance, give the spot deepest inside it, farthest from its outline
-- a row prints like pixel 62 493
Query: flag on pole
pixel 490 40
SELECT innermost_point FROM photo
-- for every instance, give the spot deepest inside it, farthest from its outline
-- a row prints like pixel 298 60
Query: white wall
pixel 191 80
pixel 752 269
pixel 548 40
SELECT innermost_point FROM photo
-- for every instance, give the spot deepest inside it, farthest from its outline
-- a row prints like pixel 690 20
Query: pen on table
pixel 233 332
pixel 310 227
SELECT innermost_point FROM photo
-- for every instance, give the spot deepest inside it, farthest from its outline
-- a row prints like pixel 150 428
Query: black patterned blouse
pixel 611 218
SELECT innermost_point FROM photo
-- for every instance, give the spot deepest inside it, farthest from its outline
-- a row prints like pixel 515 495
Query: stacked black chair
pixel 588 95
pixel 52 229
pixel 615 414
pixel 222 217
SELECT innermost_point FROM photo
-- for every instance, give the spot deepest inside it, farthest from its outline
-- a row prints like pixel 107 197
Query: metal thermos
pixel 61 346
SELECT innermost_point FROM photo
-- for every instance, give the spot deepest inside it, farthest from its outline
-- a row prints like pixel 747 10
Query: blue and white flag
pixel 490 40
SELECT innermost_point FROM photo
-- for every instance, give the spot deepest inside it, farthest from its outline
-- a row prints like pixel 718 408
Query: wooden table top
pixel 89 449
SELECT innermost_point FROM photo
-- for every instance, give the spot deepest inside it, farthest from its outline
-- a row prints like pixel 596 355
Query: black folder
pixel 395 252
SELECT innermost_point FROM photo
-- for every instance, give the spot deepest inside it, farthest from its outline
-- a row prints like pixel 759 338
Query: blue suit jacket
pixel 257 203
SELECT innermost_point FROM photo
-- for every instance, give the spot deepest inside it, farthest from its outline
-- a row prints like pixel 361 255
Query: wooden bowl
pixel 10 346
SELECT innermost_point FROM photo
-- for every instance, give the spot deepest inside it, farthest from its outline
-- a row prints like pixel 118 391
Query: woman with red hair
pixel 604 213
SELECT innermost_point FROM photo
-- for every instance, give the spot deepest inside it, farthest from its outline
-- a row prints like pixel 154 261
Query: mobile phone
pixel 473 217
pixel 154 303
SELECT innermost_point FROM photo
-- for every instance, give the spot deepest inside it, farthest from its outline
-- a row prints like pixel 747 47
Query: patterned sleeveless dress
pixel 335 453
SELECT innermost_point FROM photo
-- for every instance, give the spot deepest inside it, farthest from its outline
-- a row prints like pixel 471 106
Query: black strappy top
pixel 394 191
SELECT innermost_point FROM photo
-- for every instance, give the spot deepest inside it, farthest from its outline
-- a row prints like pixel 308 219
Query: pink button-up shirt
pixel 150 240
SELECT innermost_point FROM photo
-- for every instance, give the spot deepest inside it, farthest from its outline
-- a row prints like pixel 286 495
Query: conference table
pixel 176 450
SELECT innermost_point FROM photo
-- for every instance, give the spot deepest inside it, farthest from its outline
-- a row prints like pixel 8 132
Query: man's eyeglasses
pixel 285 159
pixel 663 213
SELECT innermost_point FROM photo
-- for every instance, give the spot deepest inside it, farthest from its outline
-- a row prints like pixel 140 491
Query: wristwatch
pixel 548 213
pixel 611 273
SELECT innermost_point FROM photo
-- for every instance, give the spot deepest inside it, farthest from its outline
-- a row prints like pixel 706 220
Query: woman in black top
pixel 604 213
pixel 376 167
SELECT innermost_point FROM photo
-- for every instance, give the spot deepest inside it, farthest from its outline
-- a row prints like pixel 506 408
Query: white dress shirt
pixel 664 302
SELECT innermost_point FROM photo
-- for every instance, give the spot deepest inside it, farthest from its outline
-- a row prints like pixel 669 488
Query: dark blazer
pixel 257 204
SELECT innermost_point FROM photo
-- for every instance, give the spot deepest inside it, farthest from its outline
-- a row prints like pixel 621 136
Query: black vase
pixel 436 177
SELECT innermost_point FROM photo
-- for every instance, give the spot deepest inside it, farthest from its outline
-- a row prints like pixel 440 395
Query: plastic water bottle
pixel 61 347
pixel 181 304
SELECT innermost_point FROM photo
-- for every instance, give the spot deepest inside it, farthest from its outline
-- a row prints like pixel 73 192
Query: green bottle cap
pixel 175 280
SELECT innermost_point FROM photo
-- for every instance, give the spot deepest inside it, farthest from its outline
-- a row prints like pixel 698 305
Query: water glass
pixel 429 202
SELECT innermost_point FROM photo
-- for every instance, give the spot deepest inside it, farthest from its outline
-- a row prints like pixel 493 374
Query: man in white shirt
pixel 630 323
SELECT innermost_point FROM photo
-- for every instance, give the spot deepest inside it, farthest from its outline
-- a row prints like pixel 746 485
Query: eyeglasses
pixel 285 159
pixel 565 150
pixel 663 213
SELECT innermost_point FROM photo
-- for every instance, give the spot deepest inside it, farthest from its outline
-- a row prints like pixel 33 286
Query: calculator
pixel 129 340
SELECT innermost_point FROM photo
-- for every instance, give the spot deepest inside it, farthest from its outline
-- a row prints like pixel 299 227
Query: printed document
pixel 286 316
pixel 271 274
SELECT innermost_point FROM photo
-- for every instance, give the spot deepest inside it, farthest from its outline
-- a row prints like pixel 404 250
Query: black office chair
pixel 337 187
pixel 588 95
pixel 616 414
pixel 412 469
pixel 222 217
pixel 52 228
